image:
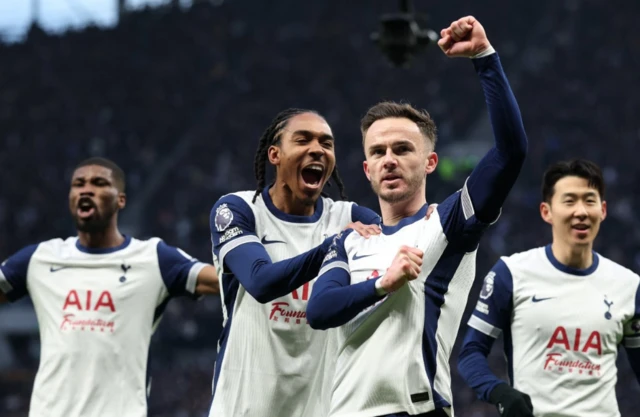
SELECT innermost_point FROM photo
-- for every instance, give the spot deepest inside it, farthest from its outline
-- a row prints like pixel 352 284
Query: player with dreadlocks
pixel 268 246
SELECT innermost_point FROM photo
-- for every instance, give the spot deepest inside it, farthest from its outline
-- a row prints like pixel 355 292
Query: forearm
pixel 265 280
pixel 493 178
pixel 333 304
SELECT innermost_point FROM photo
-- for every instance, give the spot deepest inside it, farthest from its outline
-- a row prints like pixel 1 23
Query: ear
pixel 122 200
pixel 273 154
pixel 604 210
pixel 545 212
pixel 432 163
pixel 365 166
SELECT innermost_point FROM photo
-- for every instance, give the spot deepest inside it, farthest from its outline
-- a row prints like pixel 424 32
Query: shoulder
pixel 614 269
pixel 232 206
pixel 524 259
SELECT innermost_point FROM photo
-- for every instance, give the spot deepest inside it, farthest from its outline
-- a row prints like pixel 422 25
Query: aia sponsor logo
pixel 574 344
pixel 85 311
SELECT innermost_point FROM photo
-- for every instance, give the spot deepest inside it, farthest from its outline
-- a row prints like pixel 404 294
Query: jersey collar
pixel 389 230
pixel 292 218
pixel 569 270
pixel 102 251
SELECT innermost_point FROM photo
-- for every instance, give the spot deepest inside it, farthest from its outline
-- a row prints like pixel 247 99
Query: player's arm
pixel 495 175
pixel 13 274
pixel 183 274
pixel 491 316
pixel 207 282
pixel 631 340
pixel 334 301
pixel 239 251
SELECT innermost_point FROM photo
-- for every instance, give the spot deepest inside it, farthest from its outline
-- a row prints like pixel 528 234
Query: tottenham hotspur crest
pixel 224 217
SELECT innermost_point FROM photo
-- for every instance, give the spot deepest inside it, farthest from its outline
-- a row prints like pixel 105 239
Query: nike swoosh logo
pixel 356 256
pixel 58 268
pixel 537 300
pixel 268 242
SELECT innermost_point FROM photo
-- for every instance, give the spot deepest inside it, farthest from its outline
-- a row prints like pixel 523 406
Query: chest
pixel 102 286
pixel 571 312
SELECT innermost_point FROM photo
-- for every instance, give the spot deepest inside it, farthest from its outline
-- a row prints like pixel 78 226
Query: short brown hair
pixel 390 109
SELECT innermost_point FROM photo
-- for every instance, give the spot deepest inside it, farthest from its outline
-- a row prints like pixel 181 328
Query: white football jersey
pixel 562 329
pixel 96 310
pixel 270 362
pixel 394 355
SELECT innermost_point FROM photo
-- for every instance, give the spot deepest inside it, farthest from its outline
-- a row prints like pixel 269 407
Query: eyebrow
pixel 309 133
pixel 398 142
pixel 97 177
pixel 587 194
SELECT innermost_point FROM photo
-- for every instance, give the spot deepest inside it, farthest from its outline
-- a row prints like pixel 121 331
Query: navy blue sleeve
pixel 491 316
pixel 473 365
pixel 631 339
pixel 494 176
pixel 13 273
pixel 364 215
pixel 334 301
pixel 238 250
pixel 179 271
pixel 631 336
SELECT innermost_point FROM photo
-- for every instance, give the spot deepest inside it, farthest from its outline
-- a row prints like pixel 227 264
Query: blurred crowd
pixel 180 97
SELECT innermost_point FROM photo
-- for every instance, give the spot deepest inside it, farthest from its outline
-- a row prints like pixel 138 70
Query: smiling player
pixel 563 310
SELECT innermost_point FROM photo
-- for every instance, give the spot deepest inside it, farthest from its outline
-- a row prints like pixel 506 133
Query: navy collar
pixel 569 270
pixel 102 251
pixel 292 218
pixel 389 230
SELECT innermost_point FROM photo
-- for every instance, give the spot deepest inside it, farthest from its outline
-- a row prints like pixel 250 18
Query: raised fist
pixel 464 38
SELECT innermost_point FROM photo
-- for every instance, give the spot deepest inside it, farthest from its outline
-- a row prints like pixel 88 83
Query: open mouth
pixel 580 227
pixel 312 175
pixel 86 208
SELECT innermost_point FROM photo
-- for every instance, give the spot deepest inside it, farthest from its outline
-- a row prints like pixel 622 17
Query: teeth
pixel 315 168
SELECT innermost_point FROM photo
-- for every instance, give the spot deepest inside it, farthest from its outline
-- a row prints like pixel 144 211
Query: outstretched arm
pixel 494 176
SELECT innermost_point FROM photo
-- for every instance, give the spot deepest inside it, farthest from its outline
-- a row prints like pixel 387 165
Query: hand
pixel 430 210
pixel 405 267
pixel 464 38
pixel 364 230
pixel 511 402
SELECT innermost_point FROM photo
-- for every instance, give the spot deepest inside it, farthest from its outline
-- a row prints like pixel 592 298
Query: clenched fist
pixel 464 38
pixel 405 267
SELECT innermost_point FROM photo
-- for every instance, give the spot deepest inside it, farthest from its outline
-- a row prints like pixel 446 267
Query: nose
pixel 315 149
pixel 581 210
pixel 87 190
pixel 389 161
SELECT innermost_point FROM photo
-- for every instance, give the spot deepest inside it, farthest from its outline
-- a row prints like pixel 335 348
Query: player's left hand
pixel 464 38
pixel 365 230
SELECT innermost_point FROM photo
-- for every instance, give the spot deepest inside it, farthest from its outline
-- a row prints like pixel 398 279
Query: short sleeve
pixel 13 273
pixel 495 303
pixel 179 270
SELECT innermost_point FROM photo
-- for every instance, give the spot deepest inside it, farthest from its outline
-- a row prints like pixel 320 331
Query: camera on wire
pixel 400 37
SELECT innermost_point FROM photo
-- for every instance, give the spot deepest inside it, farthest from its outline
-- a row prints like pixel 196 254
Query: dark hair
pixel 116 171
pixel 582 168
pixel 390 109
pixel 272 136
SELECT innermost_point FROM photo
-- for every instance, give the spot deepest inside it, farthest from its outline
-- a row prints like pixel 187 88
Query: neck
pixel 286 202
pixel 574 256
pixel 109 238
pixel 392 213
